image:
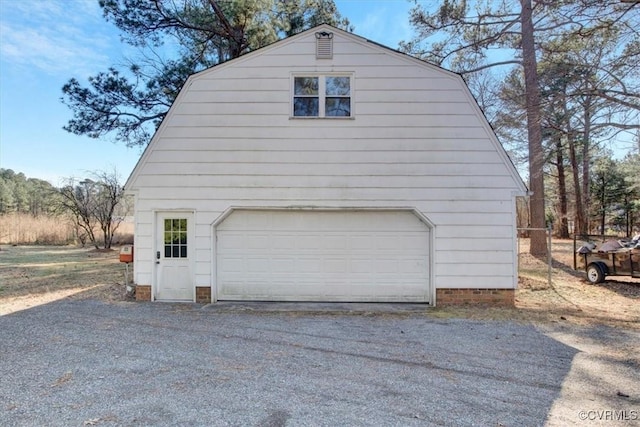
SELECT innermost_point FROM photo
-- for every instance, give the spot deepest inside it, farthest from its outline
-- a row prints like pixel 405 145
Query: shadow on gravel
pixel 86 362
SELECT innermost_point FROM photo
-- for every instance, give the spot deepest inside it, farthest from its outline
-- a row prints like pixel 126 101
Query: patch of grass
pixel 29 270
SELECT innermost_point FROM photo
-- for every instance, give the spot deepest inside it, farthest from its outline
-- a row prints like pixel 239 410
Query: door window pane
pixel 175 238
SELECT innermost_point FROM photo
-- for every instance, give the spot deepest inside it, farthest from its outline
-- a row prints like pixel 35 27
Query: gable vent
pixel 324 45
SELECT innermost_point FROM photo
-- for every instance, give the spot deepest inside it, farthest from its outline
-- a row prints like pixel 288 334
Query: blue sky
pixel 43 43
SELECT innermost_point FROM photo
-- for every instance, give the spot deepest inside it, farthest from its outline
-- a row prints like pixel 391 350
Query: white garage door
pixel 347 256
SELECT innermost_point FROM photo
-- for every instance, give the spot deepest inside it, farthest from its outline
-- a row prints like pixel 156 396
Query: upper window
pixel 322 96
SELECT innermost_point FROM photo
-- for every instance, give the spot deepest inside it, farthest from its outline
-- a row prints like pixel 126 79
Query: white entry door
pixel 174 256
pixel 323 256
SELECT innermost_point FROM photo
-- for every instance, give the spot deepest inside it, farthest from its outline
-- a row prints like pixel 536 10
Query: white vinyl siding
pixel 419 141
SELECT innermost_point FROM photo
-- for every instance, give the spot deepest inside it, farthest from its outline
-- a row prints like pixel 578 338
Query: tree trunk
pixel 631 223
pixel 575 172
pixel 534 131
pixel 563 231
pixel 586 164
pixel 627 216
pixel 603 204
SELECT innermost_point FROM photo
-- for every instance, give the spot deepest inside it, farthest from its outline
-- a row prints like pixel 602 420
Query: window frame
pixel 322 95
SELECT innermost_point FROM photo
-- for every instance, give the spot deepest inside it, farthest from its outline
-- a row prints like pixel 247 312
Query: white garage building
pixel 325 167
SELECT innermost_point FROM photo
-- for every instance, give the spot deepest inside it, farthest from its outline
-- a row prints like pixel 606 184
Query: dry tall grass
pixel 17 228
pixel 25 229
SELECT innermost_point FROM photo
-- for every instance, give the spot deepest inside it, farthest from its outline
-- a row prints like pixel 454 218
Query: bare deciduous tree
pixel 93 204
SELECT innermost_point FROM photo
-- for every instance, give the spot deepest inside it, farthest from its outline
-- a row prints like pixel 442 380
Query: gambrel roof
pixel 271 53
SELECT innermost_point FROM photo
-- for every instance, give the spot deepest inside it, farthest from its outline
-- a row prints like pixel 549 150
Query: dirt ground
pixel 570 297
pixel 33 275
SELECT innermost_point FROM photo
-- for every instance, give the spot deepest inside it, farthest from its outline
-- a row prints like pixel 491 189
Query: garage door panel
pixel 361 266
pixel 307 265
pixel 387 266
pixel 334 242
pixel 280 265
pixel 391 242
pixel 281 241
pixel 335 266
pixel 413 266
pixel 412 241
pixel 359 242
pixel 307 242
pixel 232 241
pixel 323 256
pixel 285 289
pixel 231 265
pixel 257 265
pixel 257 241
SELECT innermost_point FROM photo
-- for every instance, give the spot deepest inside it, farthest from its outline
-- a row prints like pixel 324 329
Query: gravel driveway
pixel 76 363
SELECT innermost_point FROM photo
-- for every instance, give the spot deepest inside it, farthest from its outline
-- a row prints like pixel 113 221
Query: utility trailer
pixel 611 258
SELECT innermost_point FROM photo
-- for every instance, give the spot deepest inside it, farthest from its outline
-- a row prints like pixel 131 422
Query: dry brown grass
pixel 18 228
pixel 33 275
pixel 25 229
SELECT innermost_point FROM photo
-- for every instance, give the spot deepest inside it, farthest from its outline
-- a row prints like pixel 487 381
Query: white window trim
pixel 322 95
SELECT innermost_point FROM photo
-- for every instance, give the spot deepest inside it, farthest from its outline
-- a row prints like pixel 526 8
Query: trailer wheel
pixel 595 274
